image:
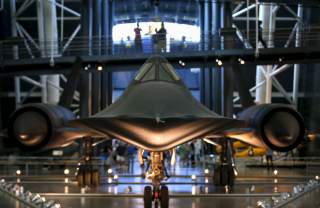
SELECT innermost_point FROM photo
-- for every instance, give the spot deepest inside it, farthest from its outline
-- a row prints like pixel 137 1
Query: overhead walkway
pixel 19 58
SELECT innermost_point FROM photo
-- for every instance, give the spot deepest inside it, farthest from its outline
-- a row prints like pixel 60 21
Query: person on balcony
pixel 137 38
pixel 162 38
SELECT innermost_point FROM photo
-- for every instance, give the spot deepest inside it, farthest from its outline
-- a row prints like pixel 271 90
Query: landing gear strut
pixel 224 169
pixel 87 175
pixel 158 195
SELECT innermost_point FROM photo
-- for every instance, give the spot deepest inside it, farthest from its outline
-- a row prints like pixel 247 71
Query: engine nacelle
pixel 278 126
pixel 36 126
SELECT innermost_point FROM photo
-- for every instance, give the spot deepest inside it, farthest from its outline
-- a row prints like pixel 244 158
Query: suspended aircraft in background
pixel 156 113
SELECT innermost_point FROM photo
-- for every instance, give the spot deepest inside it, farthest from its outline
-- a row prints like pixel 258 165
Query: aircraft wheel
pixel 95 177
pixel 156 204
pixel 164 194
pixel 87 178
pixel 147 197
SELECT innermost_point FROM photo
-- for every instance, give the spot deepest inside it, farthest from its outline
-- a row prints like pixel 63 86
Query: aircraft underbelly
pixel 154 135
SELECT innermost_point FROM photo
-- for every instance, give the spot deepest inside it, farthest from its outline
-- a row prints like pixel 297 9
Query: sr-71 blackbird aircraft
pixel 156 113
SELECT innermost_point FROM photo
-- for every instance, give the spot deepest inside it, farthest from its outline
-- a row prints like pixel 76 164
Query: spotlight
pixel 87 67
pixel 79 164
pixel 219 62
pixel 109 180
pixel 206 189
pixel 193 190
pixel 206 171
pixel 317 177
pixel 241 61
pixel 109 171
pixel 275 180
pixel 66 189
pixel 43 199
pixel 206 180
pixel 66 180
pixel 193 177
pixel 66 171
pixel 182 63
pixel 252 188
pixel 115 177
pixel 275 172
pixel 226 189
pixel 18 172
pixel 99 67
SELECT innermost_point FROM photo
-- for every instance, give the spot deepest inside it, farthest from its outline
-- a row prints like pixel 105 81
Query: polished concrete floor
pixel 252 185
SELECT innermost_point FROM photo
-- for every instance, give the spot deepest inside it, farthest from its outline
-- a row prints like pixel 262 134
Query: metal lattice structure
pixel 50 42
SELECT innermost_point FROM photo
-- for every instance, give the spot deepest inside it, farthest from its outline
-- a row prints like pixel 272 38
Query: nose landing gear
pixel 156 197
pixel 158 194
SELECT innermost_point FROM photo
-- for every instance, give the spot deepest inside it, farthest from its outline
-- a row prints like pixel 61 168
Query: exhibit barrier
pixel 29 166
pixel 33 200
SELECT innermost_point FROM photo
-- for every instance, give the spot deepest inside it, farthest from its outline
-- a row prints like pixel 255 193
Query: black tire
pixel 95 178
pixel 164 196
pixel 147 197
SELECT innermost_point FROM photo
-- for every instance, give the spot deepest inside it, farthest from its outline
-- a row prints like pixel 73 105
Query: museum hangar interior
pixel 159 103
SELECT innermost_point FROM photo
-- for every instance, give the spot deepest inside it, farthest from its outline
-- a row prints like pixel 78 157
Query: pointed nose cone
pixel 157 92
pixel 157 68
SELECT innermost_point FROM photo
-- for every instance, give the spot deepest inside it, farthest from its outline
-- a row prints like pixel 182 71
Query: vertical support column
pixel 41 30
pixel 205 73
pixel 106 28
pixel 207 24
pixel 48 41
pixel 86 17
pixel 264 92
pixel 107 25
pixel 228 34
pixel 270 43
pixel 296 69
pixel 42 45
pixel 96 42
pixel 201 24
pixel 216 73
pixel 201 48
pixel 44 94
pixel 51 31
pixel 107 89
pixel 15 51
